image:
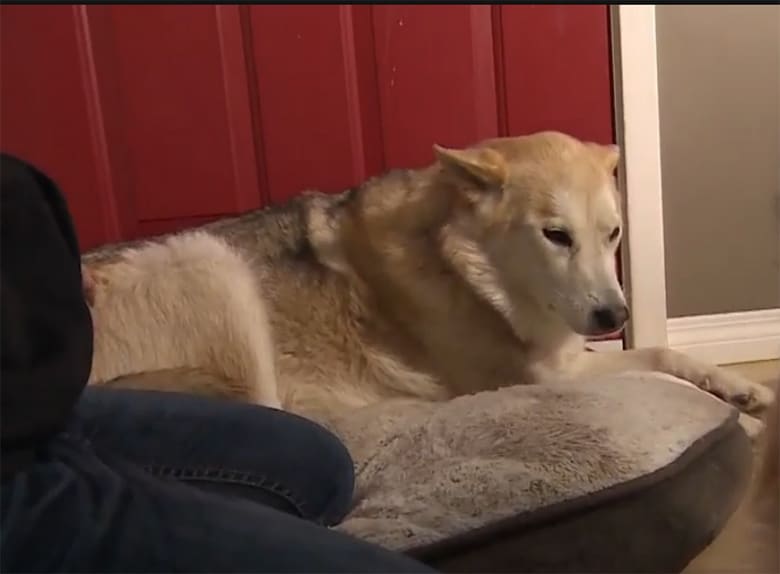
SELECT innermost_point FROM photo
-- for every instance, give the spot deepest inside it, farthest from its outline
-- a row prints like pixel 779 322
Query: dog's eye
pixel 614 234
pixel 558 236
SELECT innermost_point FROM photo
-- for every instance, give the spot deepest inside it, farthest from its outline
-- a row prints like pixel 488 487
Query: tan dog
pixel 487 268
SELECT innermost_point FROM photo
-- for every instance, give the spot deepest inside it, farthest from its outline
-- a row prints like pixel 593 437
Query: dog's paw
pixel 746 395
pixel 757 399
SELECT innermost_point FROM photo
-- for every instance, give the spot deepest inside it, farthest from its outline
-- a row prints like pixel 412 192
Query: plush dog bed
pixel 628 473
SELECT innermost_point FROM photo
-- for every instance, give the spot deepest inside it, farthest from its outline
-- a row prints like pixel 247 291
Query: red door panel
pixel 48 110
pixel 435 70
pixel 316 96
pixel 556 69
pixel 169 115
pixel 156 117
pixel 183 114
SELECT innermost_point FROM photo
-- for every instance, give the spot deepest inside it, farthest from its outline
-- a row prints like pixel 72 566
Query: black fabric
pixel 45 324
pixel 655 524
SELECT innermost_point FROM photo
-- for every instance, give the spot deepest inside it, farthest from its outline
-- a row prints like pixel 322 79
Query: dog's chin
pixel 583 330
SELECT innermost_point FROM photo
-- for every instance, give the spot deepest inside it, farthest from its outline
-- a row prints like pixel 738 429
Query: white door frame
pixel 635 68
pixel 719 338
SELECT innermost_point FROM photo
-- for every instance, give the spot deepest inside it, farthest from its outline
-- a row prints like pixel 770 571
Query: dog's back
pixel 207 314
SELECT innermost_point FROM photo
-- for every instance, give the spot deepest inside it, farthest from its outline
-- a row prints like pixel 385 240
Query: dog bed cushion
pixel 627 473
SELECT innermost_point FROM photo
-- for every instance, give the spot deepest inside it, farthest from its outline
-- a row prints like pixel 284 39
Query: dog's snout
pixel 607 319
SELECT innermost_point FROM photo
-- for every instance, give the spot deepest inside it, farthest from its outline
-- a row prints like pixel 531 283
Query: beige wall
pixel 719 104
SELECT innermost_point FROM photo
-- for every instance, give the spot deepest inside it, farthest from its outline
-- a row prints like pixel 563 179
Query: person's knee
pixel 330 476
pixel 253 452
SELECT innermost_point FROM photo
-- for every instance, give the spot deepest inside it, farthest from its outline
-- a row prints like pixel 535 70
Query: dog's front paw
pixel 757 399
pixel 744 394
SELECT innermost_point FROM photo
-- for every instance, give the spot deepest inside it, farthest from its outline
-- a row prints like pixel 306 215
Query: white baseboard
pixel 727 338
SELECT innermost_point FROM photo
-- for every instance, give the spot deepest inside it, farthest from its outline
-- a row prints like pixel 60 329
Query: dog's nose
pixel 610 318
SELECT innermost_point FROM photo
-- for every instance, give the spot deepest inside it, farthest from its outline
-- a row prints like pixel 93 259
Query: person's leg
pixel 75 512
pixel 261 454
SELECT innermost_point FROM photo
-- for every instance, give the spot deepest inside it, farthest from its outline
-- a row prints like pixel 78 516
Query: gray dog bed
pixel 628 473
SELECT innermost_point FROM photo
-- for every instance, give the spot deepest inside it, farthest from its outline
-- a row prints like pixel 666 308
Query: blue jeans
pixel 157 482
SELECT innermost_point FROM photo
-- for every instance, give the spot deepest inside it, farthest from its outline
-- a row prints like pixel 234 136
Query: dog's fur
pixel 426 283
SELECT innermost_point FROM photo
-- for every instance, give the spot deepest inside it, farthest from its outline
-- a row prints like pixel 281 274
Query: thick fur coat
pixel 485 269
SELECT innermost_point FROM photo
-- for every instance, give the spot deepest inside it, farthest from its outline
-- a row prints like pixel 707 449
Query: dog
pixel 489 267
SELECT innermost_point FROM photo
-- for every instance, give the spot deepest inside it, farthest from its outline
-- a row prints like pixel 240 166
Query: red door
pixel 153 118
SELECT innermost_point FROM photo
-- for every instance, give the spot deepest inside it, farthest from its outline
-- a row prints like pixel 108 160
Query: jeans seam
pixel 229 476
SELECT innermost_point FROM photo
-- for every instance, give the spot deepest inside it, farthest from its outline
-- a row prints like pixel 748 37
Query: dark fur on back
pixel 276 230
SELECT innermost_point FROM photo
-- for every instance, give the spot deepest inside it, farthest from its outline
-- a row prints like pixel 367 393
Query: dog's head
pixel 545 210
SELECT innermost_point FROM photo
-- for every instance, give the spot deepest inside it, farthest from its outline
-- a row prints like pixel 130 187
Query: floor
pixel 722 551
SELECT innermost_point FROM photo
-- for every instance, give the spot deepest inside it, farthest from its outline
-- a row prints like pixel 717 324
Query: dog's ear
pixel 484 166
pixel 607 155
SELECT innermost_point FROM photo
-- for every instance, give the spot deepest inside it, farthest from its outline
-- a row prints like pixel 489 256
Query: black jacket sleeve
pixel 46 328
